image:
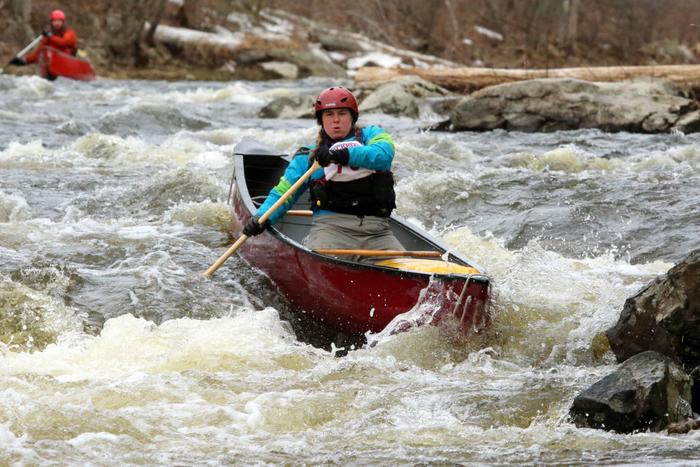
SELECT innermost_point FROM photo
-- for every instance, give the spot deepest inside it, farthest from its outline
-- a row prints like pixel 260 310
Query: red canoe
pixel 348 296
pixel 54 63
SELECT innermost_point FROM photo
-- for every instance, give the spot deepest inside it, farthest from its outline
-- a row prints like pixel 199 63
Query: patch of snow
pixel 467 41
pixel 379 58
pixel 317 50
pixel 277 25
pixel 497 36
pixel 243 21
pixel 369 45
pixel 337 56
pixel 177 2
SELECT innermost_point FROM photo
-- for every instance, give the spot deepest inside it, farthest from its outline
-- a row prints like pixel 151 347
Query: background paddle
pixel 24 51
pixel 241 240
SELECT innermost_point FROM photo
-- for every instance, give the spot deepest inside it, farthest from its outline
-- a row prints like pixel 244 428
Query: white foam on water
pixel 551 307
pixel 13 448
pixel 33 86
pixel 425 153
pixel 416 194
pixel 210 213
pixel 177 151
pixel 30 155
pixel 681 158
pixel 31 318
pixel 129 345
pixel 563 159
pixel 13 207
pixel 236 93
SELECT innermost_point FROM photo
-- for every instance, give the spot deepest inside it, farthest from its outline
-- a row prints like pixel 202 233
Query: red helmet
pixel 58 14
pixel 335 98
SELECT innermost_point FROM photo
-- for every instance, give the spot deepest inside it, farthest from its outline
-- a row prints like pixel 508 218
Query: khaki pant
pixel 351 232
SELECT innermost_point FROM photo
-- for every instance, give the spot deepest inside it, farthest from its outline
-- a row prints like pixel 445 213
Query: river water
pixel 113 350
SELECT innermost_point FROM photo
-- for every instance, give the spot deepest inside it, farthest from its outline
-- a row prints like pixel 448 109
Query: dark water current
pixel 113 351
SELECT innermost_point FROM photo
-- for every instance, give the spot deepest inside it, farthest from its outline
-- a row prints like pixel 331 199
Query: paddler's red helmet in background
pixel 58 14
pixel 336 98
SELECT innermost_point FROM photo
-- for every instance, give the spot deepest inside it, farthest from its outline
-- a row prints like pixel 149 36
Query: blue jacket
pixel 377 153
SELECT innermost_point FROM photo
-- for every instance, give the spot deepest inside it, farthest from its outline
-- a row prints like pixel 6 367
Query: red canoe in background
pixel 54 63
pixel 348 296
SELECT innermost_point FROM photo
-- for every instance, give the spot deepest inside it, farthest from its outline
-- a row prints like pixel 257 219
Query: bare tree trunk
pixel 156 21
pixel 21 14
pixel 125 21
pixel 453 44
pixel 569 32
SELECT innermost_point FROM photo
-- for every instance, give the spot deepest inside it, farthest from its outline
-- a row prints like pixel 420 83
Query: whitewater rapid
pixel 113 350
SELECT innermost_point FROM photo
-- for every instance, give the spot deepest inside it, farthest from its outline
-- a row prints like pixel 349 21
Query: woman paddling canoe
pixel 352 195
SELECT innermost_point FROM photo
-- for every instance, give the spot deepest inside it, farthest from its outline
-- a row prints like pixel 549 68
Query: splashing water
pixel 114 350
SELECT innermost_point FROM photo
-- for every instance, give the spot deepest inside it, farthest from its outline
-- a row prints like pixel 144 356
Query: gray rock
pixel 400 96
pixel 250 57
pixel 283 70
pixel 664 317
pixel 647 392
pixel 647 105
pixel 291 106
pixel 309 63
pixel 695 376
pixel 339 43
pixel 688 123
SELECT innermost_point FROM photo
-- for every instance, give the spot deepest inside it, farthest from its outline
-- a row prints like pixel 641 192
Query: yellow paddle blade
pixel 431 266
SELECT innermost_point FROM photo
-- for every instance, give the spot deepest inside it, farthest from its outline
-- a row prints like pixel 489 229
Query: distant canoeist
pixel 353 195
pixel 59 37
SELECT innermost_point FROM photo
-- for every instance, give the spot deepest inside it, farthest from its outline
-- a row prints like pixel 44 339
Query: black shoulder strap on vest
pixel 358 135
pixel 302 150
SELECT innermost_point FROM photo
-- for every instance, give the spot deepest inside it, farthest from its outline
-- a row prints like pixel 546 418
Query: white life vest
pixel 345 173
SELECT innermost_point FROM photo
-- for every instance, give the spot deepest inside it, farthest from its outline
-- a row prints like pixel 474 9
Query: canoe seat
pixel 432 266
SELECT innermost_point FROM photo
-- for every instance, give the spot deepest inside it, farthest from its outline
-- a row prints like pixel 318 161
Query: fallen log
pixel 468 79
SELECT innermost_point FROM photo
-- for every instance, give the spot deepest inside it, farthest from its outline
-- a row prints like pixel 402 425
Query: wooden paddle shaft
pixel 343 252
pixel 300 212
pixel 212 269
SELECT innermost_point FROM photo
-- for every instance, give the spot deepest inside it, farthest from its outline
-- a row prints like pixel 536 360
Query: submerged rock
pixel 664 317
pixel 291 106
pixel 646 105
pixel 647 392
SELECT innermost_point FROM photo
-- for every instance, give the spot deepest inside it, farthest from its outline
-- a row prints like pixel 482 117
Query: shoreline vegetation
pixel 221 40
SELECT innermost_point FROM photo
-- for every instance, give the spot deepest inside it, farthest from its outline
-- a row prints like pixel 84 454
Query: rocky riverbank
pixel 221 44
pixel 656 337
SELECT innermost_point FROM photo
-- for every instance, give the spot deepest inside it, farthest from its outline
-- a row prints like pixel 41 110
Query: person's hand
pixel 17 61
pixel 253 227
pixel 46 33
pixel 341 156
pixel 325 156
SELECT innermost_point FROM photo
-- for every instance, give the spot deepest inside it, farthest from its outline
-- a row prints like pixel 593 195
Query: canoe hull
pixel 54 63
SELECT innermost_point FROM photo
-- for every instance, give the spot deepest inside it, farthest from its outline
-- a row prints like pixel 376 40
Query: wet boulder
pixel 401 97
pixel 664 317
pixel 289 106
pixel 307 62
pixel 550 104
pixel 647 392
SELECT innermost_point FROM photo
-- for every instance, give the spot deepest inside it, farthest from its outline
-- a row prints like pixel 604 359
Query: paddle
pixel 25 50
pixel 241 240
